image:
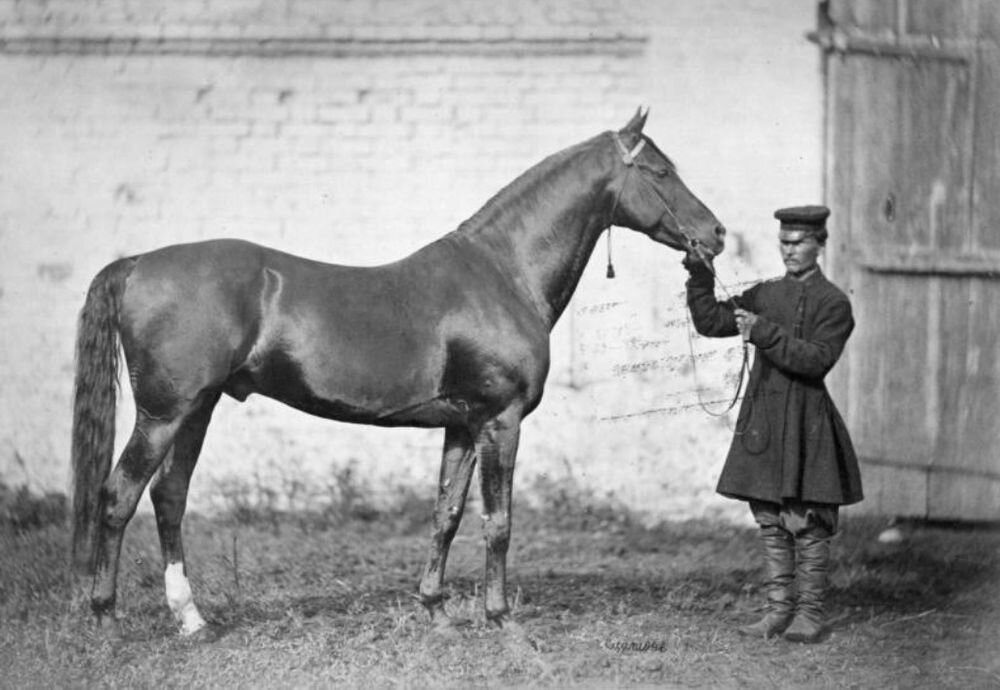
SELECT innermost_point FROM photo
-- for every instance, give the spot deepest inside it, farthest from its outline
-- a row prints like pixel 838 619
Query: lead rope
pixel 744 365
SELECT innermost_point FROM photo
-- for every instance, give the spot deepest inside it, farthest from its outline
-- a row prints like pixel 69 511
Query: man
pixel 791 457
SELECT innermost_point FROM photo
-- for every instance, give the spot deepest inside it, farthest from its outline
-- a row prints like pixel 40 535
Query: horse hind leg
pixel 169 496
pixel 457 463
pixel 150 441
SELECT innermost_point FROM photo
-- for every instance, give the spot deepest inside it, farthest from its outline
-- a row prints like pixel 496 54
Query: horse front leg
pixel 496 448
pixel 457 463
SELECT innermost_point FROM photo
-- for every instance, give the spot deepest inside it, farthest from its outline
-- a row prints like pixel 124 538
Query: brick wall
pixel 355 132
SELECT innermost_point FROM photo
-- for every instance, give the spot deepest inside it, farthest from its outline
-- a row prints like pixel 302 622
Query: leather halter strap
pixel 628 157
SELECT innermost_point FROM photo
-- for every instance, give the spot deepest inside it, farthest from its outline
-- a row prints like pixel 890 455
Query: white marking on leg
pixel 180 601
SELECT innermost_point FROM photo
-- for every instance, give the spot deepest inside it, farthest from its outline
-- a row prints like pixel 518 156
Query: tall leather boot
pixel 779 568
pixel 811 576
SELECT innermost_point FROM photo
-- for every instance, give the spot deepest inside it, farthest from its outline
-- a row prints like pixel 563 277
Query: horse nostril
pixel 720 231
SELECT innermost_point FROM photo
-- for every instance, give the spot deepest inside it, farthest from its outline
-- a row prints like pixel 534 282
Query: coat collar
pixel 815 276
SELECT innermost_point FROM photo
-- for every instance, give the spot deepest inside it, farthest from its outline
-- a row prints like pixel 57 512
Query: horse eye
pixel 663 172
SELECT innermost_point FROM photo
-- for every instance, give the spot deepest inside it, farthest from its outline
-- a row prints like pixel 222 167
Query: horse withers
pixel 455 335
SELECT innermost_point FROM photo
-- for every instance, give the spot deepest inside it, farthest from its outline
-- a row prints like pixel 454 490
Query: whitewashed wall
pixel 357 131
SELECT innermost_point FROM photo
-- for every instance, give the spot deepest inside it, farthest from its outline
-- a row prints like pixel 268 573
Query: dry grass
pixel 314 600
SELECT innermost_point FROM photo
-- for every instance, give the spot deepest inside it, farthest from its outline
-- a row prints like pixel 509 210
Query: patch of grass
pixel 300 601
pixel 320 504
pixel 566 504
pixel 22 510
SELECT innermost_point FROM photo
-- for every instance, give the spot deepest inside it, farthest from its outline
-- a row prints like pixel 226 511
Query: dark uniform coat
pixel 790 441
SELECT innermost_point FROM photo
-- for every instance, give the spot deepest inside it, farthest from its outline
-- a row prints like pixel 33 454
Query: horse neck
pixel 543 227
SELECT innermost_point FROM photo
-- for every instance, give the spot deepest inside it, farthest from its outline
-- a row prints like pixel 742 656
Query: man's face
pixel 799 250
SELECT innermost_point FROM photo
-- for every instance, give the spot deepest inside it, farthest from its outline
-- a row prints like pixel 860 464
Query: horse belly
pixel 381 386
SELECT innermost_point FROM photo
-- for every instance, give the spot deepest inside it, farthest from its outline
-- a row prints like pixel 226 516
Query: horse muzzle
pixel 713 247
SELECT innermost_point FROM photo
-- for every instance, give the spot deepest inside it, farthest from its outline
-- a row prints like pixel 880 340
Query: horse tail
pixel 94 400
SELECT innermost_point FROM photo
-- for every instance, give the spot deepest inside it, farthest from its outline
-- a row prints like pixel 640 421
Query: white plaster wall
pixel 106 155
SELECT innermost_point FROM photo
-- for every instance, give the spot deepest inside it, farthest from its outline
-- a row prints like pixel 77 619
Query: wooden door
pixel 913 182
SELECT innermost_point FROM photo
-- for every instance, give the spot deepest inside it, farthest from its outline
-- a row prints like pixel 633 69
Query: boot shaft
pixel 812 581
pixel 778 549
pixel 779 568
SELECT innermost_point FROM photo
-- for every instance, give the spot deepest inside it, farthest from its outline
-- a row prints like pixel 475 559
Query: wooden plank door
pixel 913 154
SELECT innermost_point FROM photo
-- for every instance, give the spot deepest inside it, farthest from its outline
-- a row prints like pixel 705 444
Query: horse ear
pixel 638 121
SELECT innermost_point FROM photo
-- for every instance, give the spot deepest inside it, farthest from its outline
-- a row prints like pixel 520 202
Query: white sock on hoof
pixel 180 600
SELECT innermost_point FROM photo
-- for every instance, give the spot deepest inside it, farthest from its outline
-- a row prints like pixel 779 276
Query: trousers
pixel 797 517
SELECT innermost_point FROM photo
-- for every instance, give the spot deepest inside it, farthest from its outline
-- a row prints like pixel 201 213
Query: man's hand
pixel 695 259
pixel 745 321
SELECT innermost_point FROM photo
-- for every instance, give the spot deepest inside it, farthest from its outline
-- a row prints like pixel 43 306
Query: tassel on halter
pixel 628 158
pixel 611 269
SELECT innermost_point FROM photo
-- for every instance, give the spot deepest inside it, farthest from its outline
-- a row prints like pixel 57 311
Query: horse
pixel 454 336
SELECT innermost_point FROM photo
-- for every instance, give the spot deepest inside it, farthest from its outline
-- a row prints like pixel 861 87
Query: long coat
pixel 790 440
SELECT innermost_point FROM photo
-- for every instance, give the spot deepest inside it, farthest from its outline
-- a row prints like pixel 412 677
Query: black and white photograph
pixel 510 344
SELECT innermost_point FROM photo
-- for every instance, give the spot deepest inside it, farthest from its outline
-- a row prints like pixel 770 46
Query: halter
pixel 628 157
pixel 629 160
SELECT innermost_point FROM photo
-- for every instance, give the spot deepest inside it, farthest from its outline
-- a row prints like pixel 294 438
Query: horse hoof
pixel 518 636
pixel 445 626
pixel 203 635
pixel 500 619
pixel 110 627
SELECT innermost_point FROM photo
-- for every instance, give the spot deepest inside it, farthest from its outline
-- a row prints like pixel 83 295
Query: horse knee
pixel 496 532
pixel 447 521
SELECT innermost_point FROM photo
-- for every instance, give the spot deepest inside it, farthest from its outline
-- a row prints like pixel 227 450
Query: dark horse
pixel 455 336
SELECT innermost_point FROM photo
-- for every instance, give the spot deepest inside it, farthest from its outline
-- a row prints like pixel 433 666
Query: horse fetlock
pixel 180 599
pixel 430 587
pixel 102 606
pixel 106 617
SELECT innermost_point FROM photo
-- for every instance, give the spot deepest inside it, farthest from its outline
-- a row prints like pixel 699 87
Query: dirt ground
pixel 329 600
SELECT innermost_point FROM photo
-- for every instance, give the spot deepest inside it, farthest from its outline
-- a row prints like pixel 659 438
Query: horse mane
pixel 528 185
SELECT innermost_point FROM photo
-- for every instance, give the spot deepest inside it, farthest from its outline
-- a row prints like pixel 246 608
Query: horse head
pixel 651 197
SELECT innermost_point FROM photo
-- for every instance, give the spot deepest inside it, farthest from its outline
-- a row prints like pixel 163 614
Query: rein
pixel 744 365
pixel 629 159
